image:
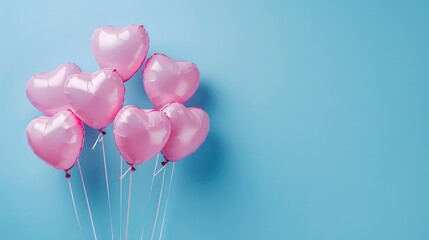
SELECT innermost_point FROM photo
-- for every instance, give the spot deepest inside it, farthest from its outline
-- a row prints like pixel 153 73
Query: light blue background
pixel 320 119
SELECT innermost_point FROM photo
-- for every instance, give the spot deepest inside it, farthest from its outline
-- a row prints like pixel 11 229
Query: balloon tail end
pixel 166 161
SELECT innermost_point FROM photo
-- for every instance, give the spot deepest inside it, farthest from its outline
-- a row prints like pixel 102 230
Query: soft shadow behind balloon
pixel 92 165
pixel 202 98
pixel 207 163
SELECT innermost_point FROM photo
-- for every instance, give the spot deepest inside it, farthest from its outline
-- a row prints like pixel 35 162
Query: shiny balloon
pixel 124 49
pixel 46 90
pixel 140 134
pixel 189 129
pixel 95 97
pixel 166 80
pixel 56 140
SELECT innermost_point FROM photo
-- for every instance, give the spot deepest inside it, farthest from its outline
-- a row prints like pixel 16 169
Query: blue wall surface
pixel 320 119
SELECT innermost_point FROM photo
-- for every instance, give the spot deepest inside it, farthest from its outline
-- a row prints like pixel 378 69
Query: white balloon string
pixel 97 140
pixel 107 186
pixel 86 198
pixel 125 173
pixel 75 209
pixel 153 176
pixel 166 204
pixel 141 238
pixel 162 168
pixel 159 204
pixel 151 187
pixel 120 199
pixel 128 208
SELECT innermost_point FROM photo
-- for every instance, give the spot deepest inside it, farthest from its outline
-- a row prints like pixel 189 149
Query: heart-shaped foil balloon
pixel 166 80
pixel 46 90
pixel 189 129
pixel 56 140
pixel 140 134
pixel 123 49
pixel 95 97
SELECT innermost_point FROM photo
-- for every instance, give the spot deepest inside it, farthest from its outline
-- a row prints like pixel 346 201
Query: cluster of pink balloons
pixel 70 97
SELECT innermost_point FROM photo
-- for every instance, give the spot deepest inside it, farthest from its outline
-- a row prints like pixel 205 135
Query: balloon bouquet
pixel 70 98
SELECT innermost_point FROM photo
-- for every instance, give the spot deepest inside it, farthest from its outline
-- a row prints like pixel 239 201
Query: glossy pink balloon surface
pixel 46 90
pixel 189 129
pixel 123 49
pixel 140 134
pixel 56 140
pixel 166 80
pixel 95 97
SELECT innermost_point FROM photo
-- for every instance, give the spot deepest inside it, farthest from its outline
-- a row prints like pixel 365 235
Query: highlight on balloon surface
pixel 166 80
pixel 189 129
pixel 140 134
pixel 95 97
pixel 123 49
pixel 46 90
pixel 56 140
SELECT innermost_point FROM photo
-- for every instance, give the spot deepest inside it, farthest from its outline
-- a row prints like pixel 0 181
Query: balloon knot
pixel 132 168
pixel 67 173
pixel 102 132
pixel 166 161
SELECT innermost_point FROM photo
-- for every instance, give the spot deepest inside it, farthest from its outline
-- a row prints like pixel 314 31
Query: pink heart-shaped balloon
pixel 95 97
pixel 123 49
pixel 140 134
pixel 166 80
pixel 56 140
pixel 189 129
pixel 46 90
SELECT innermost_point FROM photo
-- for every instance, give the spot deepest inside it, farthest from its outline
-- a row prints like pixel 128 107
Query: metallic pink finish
pixel 140 134
pixel 46 90
pixel 56 140
pixel 189 129
pixel 166 80
pixel 95 97
pixel 123 49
